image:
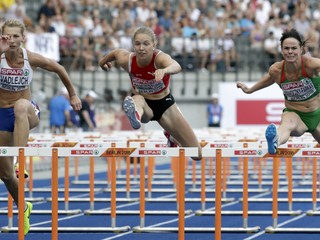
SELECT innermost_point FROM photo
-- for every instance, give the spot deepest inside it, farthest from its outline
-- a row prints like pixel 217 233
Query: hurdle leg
pixel 10 211
pixel 21 158
pixel 181 192
pixel 30 180
pixel 66 183
pixel 54 192
pixel 217 227
pixel 91 183
pixel 275 192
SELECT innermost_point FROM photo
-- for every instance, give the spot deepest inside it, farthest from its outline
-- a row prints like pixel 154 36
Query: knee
pixel 21 107
pixel 7 176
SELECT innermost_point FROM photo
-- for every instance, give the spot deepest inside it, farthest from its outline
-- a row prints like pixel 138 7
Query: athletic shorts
pixel 160 106
pixel 7 117
pixel 310 119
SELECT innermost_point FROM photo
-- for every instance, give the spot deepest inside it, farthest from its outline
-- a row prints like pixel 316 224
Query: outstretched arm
pixel 264 82
pixel 37 60
pixel 121 56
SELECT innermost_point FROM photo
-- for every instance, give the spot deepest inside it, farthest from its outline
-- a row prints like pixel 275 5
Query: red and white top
pixel 142 78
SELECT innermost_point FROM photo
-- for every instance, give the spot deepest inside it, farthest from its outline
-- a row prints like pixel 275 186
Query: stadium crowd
pixel 200 34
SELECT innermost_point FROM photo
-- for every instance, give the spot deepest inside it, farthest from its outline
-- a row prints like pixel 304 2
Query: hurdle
pixel 274 228
pixel 54 229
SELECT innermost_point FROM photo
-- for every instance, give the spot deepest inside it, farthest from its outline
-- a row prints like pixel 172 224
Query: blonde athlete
pixel 149 70
pixel 18 113
pixel 298 77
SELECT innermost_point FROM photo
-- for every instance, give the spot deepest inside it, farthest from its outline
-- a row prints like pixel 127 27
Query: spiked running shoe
pixel 272 138
pixel 171 142
pixel 130 110
pixel 16 169
pixel 27 214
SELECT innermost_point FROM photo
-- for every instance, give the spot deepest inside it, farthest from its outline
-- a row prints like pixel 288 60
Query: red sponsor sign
pixel 296 145
pixel 36 145
pixel 82 152
pixel 149 152
pixel 311 153
pixel 245 152
pixel 161 145
pixel 219 145
pixel 89 145
pixel 258 112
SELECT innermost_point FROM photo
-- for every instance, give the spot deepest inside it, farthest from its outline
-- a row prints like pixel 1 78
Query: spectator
pixel 87 113
pixel 214 111
pixel 47 10
pixel 270 47
pixel 227 47
pixel 59 107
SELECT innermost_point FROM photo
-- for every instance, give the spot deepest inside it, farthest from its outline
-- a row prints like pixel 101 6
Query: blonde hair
pixel 145 30
pixel 13 23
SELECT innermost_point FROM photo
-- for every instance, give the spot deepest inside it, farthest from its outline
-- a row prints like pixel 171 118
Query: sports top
pixel 142 78
pixel 303 89
pixel 15 79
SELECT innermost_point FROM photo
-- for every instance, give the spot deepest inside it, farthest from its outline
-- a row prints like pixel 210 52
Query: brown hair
pixel 147 31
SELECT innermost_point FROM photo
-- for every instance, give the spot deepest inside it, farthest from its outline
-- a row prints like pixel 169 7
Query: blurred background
pixel 217 42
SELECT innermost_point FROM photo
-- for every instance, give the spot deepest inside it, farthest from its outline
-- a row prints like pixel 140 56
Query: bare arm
pixel 37 60
pixel 264 82
pixel 166 65
pixel 121 56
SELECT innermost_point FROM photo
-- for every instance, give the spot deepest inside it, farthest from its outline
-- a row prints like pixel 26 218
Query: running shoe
pixel 27 214
pixel 171 142
pixel 130 110
pixel 272 138
pixel 16 169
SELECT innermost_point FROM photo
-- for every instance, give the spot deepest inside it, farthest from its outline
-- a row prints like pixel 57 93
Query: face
pixel 16 37
pixel 143 46
pixel 291 50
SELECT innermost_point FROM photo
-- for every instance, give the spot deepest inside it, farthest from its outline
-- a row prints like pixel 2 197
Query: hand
pixel 243 87
pixel 106 67
pixel 159 74
pixel 4 43
pixel 75 103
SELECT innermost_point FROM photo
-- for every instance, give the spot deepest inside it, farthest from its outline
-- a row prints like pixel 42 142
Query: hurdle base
pixel 95 199
pixel 313 213
pixel 48 212
pixel 188 199
pixel 290 213
pixel 28 199
pixel 271 229
pixel 70 229
pixel 135 212
pixel 193 230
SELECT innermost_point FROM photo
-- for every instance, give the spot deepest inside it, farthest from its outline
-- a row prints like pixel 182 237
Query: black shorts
pixel 160 106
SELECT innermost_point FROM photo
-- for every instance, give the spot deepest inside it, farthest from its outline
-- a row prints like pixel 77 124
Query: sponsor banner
pixel 118 152
pixel 37 145
pixel 257 109
pixel 90 145
pixel 220 145
pixel 311 153
pixel 284 152
pixel 150 152
pixel 84 152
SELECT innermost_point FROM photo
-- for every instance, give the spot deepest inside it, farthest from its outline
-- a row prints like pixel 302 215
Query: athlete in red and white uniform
pixel 149 70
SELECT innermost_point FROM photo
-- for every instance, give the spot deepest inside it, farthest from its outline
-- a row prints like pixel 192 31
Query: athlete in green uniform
pixel 298 77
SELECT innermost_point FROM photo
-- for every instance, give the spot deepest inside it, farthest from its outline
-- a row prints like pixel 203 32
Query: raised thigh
pixel 173 121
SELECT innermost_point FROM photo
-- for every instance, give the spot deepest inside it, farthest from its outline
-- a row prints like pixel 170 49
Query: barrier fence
pixel 142 150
